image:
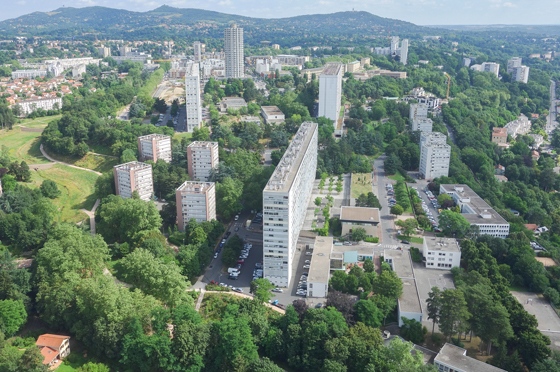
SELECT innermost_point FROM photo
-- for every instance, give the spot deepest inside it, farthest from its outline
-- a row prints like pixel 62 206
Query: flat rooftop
pixel 192 69
pixel 402 263
pixel 154 135
pixel 272 110
pixel 457 358
pixel 319 268
pixel 234 100
pixel 332 69
pixel 409 300
pixel 202 144
pixel 195 187
pixel 133 165
pixel 359 214
pixel 284 174
pixel 482 212
pixel 442 244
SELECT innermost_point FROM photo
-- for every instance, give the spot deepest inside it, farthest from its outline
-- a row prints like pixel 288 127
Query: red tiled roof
pixel 531 226
pixel 50 340
pixel 49 354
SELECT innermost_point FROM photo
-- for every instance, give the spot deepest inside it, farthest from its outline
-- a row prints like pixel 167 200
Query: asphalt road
pixel 388 232
pixel 551 122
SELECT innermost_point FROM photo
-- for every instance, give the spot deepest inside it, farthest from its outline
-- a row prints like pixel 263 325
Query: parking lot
pixel 427 205
pixel 541 309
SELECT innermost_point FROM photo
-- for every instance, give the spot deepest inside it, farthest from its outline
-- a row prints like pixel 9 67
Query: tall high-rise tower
pixel 233 46
pixel 192 97
pixel 197 46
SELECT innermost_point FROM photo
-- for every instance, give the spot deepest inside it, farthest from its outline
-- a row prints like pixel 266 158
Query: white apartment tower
pixel 518 72
pixel 154 147
pixel 330 90
pixel 202 156
pixel 233 47
pixel 195 200
pixel 403 52
pixel 134 176
pixel 197 46
pixel 193 103
pixel 434 155
pixel 512 63
pixel 418 111
pixel 285 200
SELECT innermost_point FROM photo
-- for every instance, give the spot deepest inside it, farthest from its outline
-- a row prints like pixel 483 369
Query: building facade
pixel 197 46
pixel 29 74
pixel 453 358
pixel 520 126
pixel 499 135
pixel 435 154
pixel 104 51
pixel 441 253
pixel 154 147
pixel 285 200
pixel 272 115
pixel 477 211
pixel 319 268
pixel 134 176
pixel 30 105
pixel 202 156
pixel 195 200
pixel 423 125
pixel 193 102
pixel 363 217
pixel 330 90
pixel 233 47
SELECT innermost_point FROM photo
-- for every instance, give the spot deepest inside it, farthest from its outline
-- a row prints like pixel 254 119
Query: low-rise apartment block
pixel 499 135
pixel 319 268
pixel 354 217
pixel 234 103
pixel 520 126
pixel 134 176
pixel 272 115
pixel 195 200
pixel 285 200
pixel 441 253
pixel 517 70
pixel 30 105
pixel 435 154
pixel 477 211
pixel 492 67
pixel 202 156
pixel 154 147
pixel 29 74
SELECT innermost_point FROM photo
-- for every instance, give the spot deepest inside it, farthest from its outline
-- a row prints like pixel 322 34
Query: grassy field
pixel 97 163
pixel 77 187
pixel 23 146
pixel 397 177
pixel 363 186
pixel 179 136
pixel 39 122
pixel 100 149
pixel 412 239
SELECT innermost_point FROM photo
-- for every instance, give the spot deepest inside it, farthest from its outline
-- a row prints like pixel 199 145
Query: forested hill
pixel 166 20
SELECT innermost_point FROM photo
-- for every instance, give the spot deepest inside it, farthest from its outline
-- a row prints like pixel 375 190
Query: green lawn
pixel 23 146
pixel 179 136
pixel 363 186
pixel 78 360
pixel 100 149
pixel 412 239
pixel 38 122
pixel 91 161
pixel 397 177
pixel 77 187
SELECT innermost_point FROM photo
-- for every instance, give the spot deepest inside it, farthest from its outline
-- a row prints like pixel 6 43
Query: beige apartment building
pixel 154 147
pixel 134 176
pixel 195 200
pixel 202 156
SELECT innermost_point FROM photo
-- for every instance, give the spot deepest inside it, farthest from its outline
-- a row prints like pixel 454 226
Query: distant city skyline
pixel 420 12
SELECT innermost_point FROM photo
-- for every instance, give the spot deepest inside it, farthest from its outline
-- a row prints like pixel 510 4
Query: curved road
pixel 61 162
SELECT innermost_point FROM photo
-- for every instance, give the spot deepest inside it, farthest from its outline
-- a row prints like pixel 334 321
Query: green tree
pixel 318 201
pixel 552 295
pixel 367 313
pixel 453 224
pixel 8 183
pixel 127 156
pixel 260 288
pixel 50 189
pixel 190 343
pixel 228 194
pixel 434 306
pixel 397 210
pixel 408 226
pixel 93 367
pixel 413 331
pixel 369 266
pixel 234 346
pixel 358 234
pixel 392 164
pixel 388 284
pixel 32 360
pixel 263 365
pixel 12 316
pixel 454 313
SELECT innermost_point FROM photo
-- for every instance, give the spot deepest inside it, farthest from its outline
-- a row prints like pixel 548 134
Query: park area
pixel 23 146
pixel 361 184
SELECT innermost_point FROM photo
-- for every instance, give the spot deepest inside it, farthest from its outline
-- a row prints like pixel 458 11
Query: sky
pixel 420 12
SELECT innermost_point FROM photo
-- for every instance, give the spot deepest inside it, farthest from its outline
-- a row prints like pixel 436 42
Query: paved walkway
pixel 61 162
pixel 91 215
pixel 203 292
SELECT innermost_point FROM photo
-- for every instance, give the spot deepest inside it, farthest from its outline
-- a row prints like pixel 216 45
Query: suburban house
pixel 53 347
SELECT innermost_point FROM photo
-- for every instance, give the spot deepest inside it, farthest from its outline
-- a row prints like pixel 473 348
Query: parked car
pixel 275 302
pixel 237 229
pixel 278 290
pixel 305 273
pixel 309 253
pixel 216 255
pixel 233 277
pixel 240 290
pixel 306 266
pixel 228 234
pixel 405 242
pixel 307 261
pixel 236 218
pixel 319 305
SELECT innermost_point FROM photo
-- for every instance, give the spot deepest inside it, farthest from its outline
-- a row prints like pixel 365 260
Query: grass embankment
pixel 23 146
pixel 146 91
pixel 180 136
pixel 361 184
pixel 38 122
pixel 397 176
pixel 77 190
pixel 99 163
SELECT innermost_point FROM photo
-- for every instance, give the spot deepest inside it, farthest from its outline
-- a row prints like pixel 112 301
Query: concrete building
pixel 423 125
pixel 154 147
pixel 134 176
pixel 234 103
pixel 292 60
pixel 285 200
pixel 418 111
pixel 353 217
pixel 520 74
pixel 133 57
pixel 272 115
pixel 441 253
pixel 275 46
pixel 467 61
pixel 104 51
pixel 233 47
pixel 513 63
pixel 319 268
pixel 195 200
pixel 193 102
pixel 354 66
pixel 539 139
pixel 124 50
pixel 202 156
pixel 499 135
pixel 477 211
pixel 30 105
pixel 197 46
pixel 78 70
pixel 520 126
pixel 394 50
pixel 330 90
pixel 408 305
pixel 28 74
pixel 435 154
pixel 453 358
pixel 492 67
pixel 365 61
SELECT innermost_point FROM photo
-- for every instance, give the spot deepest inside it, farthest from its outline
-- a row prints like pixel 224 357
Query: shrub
pixel 436 339
pixel 372 240
pixel 415 254
pixel 457 342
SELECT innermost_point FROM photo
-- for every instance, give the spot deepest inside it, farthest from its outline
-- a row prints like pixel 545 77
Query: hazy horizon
pixel 420 12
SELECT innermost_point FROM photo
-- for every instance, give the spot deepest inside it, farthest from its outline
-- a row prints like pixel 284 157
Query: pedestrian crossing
pixel 388 246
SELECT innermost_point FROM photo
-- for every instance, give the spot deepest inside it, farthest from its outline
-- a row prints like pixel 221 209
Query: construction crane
pixel 448 83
